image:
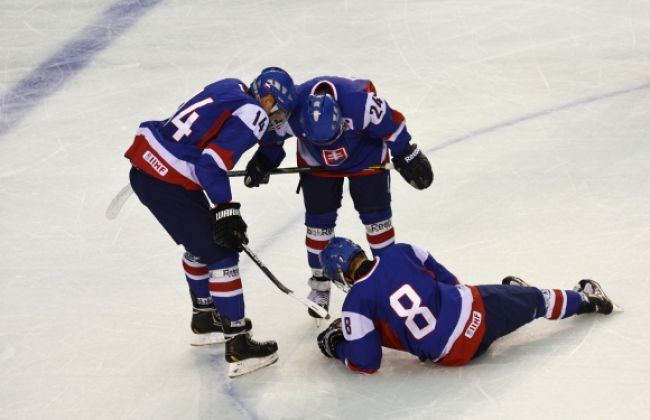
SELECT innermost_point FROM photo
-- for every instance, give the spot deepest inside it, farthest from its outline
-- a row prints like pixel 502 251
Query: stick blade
pixel 322 312
pixel 118 201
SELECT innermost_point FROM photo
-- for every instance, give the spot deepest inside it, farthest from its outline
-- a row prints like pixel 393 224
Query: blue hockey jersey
pixel 370 129
pixel 408 301
pixel 203 140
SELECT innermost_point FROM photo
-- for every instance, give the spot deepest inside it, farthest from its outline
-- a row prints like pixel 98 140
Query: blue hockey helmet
pixel 336 259
pixel 321 120
pixel 276 82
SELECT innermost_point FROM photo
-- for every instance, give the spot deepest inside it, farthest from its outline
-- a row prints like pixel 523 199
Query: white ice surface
pixel 536 119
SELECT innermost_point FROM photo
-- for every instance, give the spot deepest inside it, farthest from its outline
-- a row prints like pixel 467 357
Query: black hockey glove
pixel 330 337
pixel 414 167
pixel 258 171
pixel 228 227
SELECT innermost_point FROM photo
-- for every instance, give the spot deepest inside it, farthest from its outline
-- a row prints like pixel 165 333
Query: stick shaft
pixel 116 204
pixel 311 305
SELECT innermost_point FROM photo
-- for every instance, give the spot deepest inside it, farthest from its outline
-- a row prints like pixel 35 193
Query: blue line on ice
pixel 75 55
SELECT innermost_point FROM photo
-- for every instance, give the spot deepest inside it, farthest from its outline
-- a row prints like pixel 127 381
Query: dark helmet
pixel 321 120
pixel 336 258
pixel 276 82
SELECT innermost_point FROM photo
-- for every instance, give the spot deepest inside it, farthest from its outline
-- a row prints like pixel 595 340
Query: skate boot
pixel 514 281
pixel 206 324
pixel 244 354
pixel 320 294
pixel 594 298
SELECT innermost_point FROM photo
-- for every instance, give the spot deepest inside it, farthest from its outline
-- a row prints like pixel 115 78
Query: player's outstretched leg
pixel 244 354
pixel 206 324
pixel 319 294
pixel 594 298
pixel 514 281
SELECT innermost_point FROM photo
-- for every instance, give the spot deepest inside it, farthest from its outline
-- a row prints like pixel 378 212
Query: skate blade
pixel 207 339
pixel 249 365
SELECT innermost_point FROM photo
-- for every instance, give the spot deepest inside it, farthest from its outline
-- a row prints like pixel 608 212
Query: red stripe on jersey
pixel 387 335
pixel 370 87
pixel 465 347
pixel 382 237
pixel 195 271
pixel 397 117
pixel 360 369
pixel 225 155
pixel 301 161
pixel 214 130
pixel 141 148
pixel 228 286
pixel 316 244
pixel 559 302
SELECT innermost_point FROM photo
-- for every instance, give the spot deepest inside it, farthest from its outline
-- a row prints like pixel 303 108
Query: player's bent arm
pixel 220 156
pixel 385 123
pixel 274 154
pixel 361 350
pixel 213 179
pixel 364 359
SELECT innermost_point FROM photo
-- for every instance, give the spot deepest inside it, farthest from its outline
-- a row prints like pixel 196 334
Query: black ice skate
pixel 320 294
pixel 206 327
pixel 594 298
pixel 244 354
pixel 514 281
pixel 206 323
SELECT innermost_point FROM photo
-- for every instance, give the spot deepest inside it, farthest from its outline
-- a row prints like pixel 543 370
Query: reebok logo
pixel 231 272
pixel 312 231
pixel 379 227
pixel 476 321
pixel 413 154
pixel 155 163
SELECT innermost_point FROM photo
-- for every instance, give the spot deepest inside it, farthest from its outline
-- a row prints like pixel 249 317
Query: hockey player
pixel 176 163
pixel 406 300
pixel 343 127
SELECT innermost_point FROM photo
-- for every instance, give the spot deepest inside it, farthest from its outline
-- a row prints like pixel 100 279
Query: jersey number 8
pixel 406 291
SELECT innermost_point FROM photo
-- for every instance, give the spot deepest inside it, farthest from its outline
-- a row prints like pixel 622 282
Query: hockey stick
pixel 322 312
pixel 116 204
pixel 118 201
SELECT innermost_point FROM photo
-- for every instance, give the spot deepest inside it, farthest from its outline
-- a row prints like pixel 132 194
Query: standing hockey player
pixel 176 163
pixel 406 300
pixel 344 127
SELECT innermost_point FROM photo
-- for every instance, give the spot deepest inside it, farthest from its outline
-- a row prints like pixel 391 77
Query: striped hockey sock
pixel 197 276
pixel 560 303
pixel 380 235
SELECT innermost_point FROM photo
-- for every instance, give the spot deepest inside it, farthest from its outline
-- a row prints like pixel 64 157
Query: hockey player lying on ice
pixel 406 300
